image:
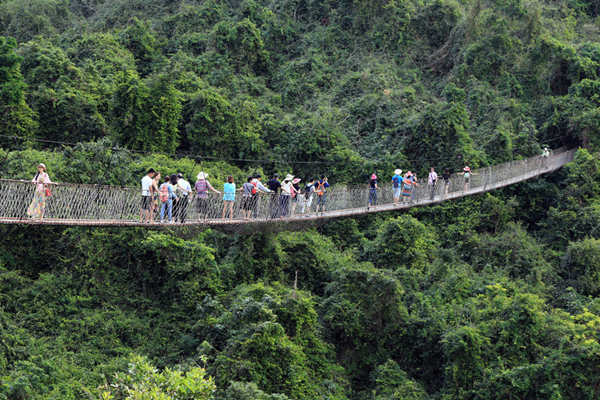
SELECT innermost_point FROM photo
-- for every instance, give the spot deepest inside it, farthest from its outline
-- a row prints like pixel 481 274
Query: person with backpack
pixel 167 196
pixel 321 192
pixel 372 191
pixel 202 187
pixel 249 192
pixel 260 188
pixel 407 186
pixel 431 182
pixel 309 189
pixel 397 185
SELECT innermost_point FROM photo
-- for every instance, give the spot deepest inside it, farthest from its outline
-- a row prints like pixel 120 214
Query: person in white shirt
pixel 183 191
pixel 432 181
pixel 146 207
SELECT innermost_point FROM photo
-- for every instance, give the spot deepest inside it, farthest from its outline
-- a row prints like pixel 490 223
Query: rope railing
pixel 86 204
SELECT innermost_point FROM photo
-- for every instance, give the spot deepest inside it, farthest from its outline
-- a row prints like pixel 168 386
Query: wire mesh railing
pixel 112 205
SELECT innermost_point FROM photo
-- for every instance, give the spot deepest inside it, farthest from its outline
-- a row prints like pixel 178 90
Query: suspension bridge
pixel 101 205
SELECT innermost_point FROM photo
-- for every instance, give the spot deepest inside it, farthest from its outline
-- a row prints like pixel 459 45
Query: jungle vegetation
pixel 491 297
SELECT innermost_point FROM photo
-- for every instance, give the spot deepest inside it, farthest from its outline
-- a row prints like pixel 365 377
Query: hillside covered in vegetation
pixel 490 297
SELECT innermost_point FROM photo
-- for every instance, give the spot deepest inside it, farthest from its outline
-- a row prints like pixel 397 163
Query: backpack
pixel 255 185
pixel 320 189
pixel 307 191
pixel 164 192
pixel 396 181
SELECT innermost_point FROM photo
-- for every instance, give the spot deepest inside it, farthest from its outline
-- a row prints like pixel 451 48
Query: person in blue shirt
pixel 228 197
pixel 397 180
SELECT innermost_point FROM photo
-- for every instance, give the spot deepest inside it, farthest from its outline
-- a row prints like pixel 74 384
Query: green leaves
pixel 19 120
pixel 143 381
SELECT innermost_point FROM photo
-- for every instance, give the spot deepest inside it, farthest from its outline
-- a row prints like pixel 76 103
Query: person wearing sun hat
pixel 202 186
pixel 38 205
pixel 285 196
pixel 397 185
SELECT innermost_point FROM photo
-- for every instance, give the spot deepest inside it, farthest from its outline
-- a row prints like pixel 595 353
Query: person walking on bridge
pixel 260 188
pixel 275 187
pixel 202 187
pixel 286 195
pixel 446 177
pixel 466 173
pixel 167 197
pixel 372 191
pixel 309 189
pixel 146 206
pixel 407 186
pixel 184 189
pixel 154 194
pixel 432 182
pixel 228 197
pixel 397 185
pixel 37 208
pixel 321 190
pixel 249 192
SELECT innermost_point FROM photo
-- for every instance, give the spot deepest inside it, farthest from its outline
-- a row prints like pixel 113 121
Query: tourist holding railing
pixel 155 205
pixel 228 197
pixel 167 197
pixel 285 196
pixel 146 206
pixel 202 187
pixel 183 190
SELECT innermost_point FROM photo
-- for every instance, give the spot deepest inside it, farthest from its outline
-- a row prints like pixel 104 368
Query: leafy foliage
pixel 488 297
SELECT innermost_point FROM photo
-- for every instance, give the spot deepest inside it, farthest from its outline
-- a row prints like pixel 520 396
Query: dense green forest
pixel 496 296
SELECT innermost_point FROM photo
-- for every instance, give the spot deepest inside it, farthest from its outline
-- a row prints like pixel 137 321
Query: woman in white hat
pixel 202 187
pixel 286 194
pixel 38 204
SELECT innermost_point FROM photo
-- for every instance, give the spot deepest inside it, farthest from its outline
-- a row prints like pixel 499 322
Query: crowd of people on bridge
pixel 167 199
pixel 167 202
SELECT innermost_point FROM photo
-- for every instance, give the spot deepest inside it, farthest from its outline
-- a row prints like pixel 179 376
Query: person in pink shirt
pixel 38 204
